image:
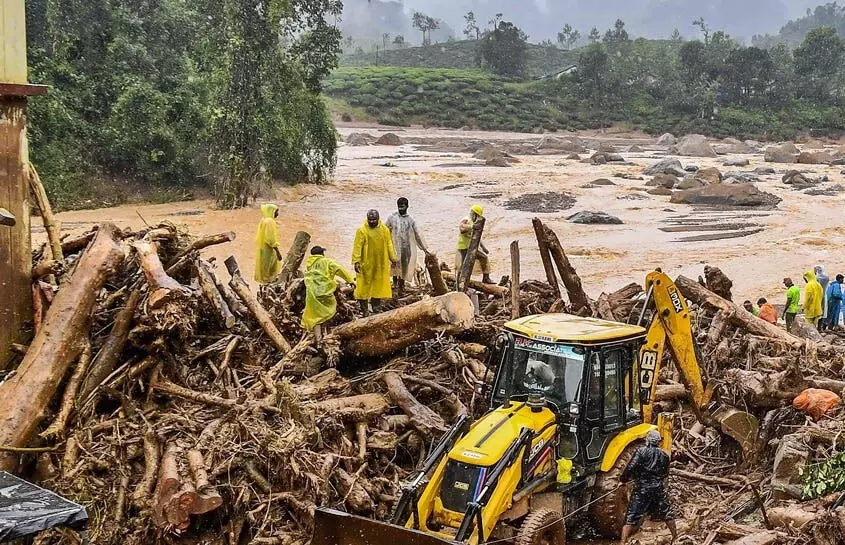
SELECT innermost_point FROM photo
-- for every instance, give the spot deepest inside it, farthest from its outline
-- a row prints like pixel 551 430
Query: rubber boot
pixel 400 287
pixel 486 279
pixel 365 307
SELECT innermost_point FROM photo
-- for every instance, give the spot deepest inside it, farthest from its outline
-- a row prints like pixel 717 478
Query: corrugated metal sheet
pixel 12 41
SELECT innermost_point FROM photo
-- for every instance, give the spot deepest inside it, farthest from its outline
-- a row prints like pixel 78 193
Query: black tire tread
pixel 534 524
pixel 609 513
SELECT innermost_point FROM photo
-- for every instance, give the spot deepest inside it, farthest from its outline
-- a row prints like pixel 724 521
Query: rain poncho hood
pixel 373 250
pixel 320 285
pixel 406 240
pixel 267 264
pixel 813 298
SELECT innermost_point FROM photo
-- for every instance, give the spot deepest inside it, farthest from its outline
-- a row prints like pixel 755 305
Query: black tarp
pixel 26 509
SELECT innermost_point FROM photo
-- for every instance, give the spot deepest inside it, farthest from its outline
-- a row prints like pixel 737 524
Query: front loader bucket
pixel 740 425
pixel 338 528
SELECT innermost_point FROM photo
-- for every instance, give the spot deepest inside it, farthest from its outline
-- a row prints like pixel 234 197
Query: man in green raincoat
pixel 268 257
pixel 320 285
pixel 372 256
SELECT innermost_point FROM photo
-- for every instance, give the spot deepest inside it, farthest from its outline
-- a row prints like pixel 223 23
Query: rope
pixel 549 525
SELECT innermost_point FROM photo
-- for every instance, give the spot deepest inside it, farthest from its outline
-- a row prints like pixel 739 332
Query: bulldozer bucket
pixel 739 425
pixel 338 528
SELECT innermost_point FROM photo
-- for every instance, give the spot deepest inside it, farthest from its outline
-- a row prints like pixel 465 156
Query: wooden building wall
pixel 15 252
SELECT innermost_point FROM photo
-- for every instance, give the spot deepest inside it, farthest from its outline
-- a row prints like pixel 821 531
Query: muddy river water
pixel 756 248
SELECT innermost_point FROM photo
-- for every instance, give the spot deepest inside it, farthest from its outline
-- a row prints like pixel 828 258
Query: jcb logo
pixel 676 300
pixel 648 364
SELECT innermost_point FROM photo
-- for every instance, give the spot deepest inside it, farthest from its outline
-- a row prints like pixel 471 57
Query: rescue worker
pixel 813 299
pixel 767 311
pixel 464 238
pixel 406 239
pixel 320 285
pixel 793 301
pixel 648 469
pixel 268 257
pixel 748 306
pixel 824 280
pixel 372 256
pixel 834 302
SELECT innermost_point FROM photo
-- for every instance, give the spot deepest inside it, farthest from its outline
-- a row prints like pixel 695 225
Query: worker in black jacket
pixel 648 469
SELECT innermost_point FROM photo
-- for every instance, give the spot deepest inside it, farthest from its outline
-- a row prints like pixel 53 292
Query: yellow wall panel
pixel 12 42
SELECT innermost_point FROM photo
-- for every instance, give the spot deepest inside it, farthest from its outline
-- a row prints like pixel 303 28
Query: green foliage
pixel 503 50
pixel 135 86
pixel 824 478
pixel 831 14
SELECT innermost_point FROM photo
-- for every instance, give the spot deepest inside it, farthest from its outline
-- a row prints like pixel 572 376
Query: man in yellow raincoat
pixel 268 257
pixel 320 285
pixel 372 256
pixel 813 298
pixel 482 257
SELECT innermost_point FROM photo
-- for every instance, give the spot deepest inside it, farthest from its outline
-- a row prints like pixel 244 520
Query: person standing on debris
pixel 767 311
pixel 834 302
pixel 649 469
pixel 823 279
pixel 320 285
pixel 464 237
pixel 793 300
pixel 372 256
pixel 813 299
pixel 406 240
pixel 747 305
pixel 268 258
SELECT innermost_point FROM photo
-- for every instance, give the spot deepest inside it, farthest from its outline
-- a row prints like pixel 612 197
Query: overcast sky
pixel 542 19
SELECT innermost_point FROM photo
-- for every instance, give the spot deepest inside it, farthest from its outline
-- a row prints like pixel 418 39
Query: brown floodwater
pixel 803 231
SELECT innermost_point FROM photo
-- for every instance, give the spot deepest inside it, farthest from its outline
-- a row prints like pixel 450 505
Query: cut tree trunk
pixel 766 390
pixel 515 270
pixel 490 289
pixel 739 317
pixel 59 343
pixel 423 419
pixel 209 289
pixel 169 486
pixel 109 355
pixel 239 285
pixel 670 392
pixel 206 497
pixel 232 300
pixel 546 256
pixel 141 496
pixel 46 268
pixel 57 428
pixel 718 282
pixel 204 242
pixel 432 264
pixel 47 217
pixel 577 298
pixel 392 331
pixel 294 257
pixel 75 244
pixel 465 274
pixel 163 288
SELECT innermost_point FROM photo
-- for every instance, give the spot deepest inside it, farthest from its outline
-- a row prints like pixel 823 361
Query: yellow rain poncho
pixel 813 297
pixel 267 264
pixel 374 251
pixel 320 285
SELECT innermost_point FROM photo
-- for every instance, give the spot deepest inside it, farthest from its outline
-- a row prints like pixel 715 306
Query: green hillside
pixel 446 98
pixel 542 59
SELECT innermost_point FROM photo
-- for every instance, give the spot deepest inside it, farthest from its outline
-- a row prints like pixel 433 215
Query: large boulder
pixel 635 149
pixel 784 153
pixel 700 178
pixel 694 145
pixel 745 195
pixel 739 177
pixel 608 147
pixel 594 218
pixel 668 139
pixel 602 181
pixel 732 145
pixel 389 139
pixel 569 144
pixel 497 162
pixel 815 158
pixel 764 170
pixel 663 180
pixel 798 180
pixel 737 162
pixel 490 152
pixel 666 166
pixel 360 139
pixel 791 458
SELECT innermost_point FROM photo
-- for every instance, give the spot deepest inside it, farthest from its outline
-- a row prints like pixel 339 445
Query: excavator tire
pixel 542 527
pixel 608 513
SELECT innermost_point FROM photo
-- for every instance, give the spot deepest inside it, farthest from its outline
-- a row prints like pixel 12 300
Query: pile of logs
pixel 178 404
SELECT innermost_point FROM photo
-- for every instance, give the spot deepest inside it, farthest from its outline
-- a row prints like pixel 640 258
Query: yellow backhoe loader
pixel 571 401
